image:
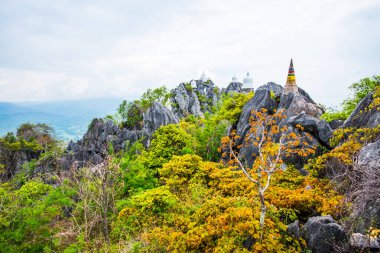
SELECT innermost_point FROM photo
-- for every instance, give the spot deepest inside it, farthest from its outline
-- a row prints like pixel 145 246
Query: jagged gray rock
pixel 261 99
pixel 322 234
pixel 234 87
pixel 293 229
pixel 188 99
pixel 94 145
pixel 366 204
pixel 157 115
pixel 274 87
pixel 295 103
pixel 185 101
pixel 208 95
pixel 320 129
pixel 336 123
pixel 364 243
pixel 363 116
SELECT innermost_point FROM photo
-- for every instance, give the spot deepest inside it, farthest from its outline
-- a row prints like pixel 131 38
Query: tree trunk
pixel 262 214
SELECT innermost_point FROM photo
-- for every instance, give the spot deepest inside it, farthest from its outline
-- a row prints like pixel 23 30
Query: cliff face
pixel 299 109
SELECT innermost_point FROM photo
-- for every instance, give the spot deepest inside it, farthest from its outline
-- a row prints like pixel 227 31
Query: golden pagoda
pixel 291 85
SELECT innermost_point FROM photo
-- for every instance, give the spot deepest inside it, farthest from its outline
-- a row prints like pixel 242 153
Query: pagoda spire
pixel 291 85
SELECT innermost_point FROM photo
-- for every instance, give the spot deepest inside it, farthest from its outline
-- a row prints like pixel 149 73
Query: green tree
pixel 28 216
pixel 167 141
pixel 360 90
pixel 159 94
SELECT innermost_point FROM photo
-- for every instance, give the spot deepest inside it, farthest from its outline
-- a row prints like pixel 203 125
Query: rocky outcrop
pixel 157 115
pixel 185 101
pixel 194 98
pixel 363 243
pixel 94 145
pixel 208 95
pixel 293 229
pixel 261 99
pixel 274 87
pixel 323 235
pixel 366 201
pixel 299 108
pixel 364 115
pixel 320 129
pixel 336 123
pixel 295 103
pixel 233 87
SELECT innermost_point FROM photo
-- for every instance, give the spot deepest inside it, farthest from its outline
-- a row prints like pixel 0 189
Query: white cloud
pixel 124 47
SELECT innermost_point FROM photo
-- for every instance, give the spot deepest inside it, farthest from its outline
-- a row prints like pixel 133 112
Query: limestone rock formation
pixel 273 87
pixel 233 87
pixel 366 204
pixel 185 101
pixel 363 116
pixel 295 103
pixel 299 108
pixel 94 145
pixel 363 243
pixel 208 94
pixel 196 97
pixel 320 129
pixel 323 235
pixel 157 115
pixel 294 229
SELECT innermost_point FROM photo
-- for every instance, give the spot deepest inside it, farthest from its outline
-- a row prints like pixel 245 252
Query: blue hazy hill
pixel 69 119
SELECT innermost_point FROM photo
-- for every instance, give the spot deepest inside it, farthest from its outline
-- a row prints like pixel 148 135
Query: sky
pixel 59 50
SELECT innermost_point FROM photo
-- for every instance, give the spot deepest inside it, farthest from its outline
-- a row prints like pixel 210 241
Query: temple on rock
pixel 203 77
pixel 291 85
pixel 247 81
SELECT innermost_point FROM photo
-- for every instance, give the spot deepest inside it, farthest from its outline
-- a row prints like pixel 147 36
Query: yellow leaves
pixel 258 247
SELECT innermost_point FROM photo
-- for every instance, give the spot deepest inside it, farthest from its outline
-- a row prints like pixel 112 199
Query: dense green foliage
pixel 130 114
pixel 35 142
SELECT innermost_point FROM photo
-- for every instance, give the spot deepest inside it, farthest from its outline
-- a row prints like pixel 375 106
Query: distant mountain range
pixel 68 118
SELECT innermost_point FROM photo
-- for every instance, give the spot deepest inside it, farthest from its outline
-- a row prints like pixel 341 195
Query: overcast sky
pixel 55 50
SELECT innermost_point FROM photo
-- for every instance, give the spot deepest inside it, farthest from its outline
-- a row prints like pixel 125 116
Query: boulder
pixel 320 129
pixel 293 229
pixel 157 115
pixel 323 235
pixel 363 115
pixel 336 123
pixel 364 243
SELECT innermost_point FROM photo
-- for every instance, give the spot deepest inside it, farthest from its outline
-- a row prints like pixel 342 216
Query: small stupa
pixel 234 79
pixel 203 77
pixel 291 85
pixel 247 81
